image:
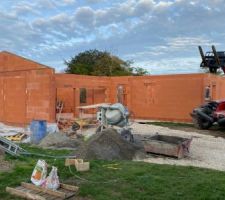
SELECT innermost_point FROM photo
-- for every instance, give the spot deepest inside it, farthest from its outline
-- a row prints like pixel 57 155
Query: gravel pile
pixel 107 145
pixel 205 151
pixel 58 140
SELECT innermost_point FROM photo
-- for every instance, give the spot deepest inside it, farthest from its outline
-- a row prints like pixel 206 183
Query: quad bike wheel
pixel 201 123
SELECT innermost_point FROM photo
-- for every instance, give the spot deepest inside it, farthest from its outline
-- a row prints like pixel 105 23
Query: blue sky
pixel 159 35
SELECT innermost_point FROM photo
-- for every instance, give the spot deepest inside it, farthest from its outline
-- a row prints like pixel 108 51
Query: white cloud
pixel 69 2
pixel 85 16
pixel 180 65
pixel 95 1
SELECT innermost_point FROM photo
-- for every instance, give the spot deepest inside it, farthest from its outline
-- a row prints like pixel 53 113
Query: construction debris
pixel 6 130
pixel 80 165
pixel 10 147
pixel 65 124
pixel 17 138
pixel 107 145
pixel 33 192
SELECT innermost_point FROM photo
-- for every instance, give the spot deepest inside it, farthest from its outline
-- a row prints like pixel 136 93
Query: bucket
pixel 38 130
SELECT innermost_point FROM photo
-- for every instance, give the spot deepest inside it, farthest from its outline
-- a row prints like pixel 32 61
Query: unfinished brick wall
pixel 41 95
pixel 27 90
pixel 27 95
pixel 166 97
pixel 12 62
pixel 216 85
pixel 68 90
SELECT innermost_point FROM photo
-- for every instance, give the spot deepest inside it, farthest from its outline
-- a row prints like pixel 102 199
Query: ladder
pixel 10 147
pixel 59 108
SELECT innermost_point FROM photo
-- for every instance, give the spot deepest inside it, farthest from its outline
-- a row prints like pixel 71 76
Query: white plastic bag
pixel 52 181
pixel 39 173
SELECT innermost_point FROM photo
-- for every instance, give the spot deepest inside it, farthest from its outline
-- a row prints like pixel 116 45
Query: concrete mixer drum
pixel 116 116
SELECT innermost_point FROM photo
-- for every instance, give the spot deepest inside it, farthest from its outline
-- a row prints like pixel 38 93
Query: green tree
pixel 101 63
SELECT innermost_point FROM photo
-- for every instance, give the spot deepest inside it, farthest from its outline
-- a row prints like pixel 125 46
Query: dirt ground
pixel 207 147
pixel 4 165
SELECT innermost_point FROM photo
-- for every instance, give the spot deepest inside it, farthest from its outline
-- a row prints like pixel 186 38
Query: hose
pixel 47 156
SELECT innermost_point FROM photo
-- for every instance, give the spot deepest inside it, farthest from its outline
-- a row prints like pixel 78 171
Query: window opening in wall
pixel 83 95
pixel 207 93
pixel 120 94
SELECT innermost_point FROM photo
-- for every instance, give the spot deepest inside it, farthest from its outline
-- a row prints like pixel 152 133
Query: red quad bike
pixel 208 114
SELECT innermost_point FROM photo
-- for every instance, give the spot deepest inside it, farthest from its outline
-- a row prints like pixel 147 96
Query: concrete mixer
pixel 115 116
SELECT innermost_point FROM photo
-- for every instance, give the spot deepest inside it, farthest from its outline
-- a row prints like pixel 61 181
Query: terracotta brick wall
pixel 27 90
pixel 217 86
pixel 27 95
pixel 166 97
pixel 66 95
pixel 12 62
pixel 68 90
pixel 41 95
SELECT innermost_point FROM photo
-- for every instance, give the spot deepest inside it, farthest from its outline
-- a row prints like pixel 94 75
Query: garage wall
pixel 27 90
pixel 14 98
pixel 41 95
pixel 165 97
pixel 68 90
pixel 66 95
pixel 216 85
pixel 13 62
pixel 27 95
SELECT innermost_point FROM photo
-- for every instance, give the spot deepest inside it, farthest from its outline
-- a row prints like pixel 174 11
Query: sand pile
pixel 58 140
pixel 107 145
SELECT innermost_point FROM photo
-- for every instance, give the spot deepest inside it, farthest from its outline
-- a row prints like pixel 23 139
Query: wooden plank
pixel 23 194
pixel 69 187
pixel 45 190
pixel 17 137
pixel 69 193
pixel 69 162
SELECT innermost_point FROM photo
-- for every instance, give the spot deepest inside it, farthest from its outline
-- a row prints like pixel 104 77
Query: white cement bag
pixel 52 181
pixel 39 173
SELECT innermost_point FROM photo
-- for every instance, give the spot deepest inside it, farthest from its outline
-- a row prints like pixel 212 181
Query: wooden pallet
pixel 17 138
pixel 33 192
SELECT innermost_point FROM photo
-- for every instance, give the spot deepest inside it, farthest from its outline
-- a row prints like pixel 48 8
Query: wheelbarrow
pixel 167 145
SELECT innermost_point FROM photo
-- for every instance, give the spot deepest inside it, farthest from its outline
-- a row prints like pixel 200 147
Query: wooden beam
pixel 45 190
pixel 69 187
pixel 24 194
